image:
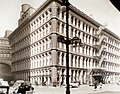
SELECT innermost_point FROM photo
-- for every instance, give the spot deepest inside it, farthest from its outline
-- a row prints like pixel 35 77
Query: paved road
pixel 83 89
pixel 107 92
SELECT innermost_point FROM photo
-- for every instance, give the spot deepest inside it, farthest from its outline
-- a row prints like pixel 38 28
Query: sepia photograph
pixel 59 46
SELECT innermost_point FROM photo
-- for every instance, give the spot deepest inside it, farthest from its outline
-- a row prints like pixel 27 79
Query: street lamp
pixel 66 4
pixel 75 41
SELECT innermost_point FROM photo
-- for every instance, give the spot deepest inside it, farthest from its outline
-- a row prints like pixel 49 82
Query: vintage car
pixel 4 87
pixel 14 88
pixel 74 84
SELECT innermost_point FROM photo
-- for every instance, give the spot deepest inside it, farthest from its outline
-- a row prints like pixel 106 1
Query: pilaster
pixel 54 9
pixel 54 58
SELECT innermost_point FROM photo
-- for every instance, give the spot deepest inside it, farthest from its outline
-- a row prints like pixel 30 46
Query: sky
pixel 100 10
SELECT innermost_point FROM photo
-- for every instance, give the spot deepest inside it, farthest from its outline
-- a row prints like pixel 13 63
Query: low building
pixel 5 58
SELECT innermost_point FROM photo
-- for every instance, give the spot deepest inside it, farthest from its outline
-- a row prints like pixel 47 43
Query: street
pixel 83 89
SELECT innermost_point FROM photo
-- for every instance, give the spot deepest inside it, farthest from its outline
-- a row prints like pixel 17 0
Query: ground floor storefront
pixel 82 76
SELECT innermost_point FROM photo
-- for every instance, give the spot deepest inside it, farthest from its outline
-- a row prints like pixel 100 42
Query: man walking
pixel 95 85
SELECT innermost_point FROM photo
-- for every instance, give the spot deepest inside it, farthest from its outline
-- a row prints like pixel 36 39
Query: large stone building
pixel 38 56
pixel 5 58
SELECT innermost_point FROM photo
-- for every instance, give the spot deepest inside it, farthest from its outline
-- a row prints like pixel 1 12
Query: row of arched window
pixel 41 32
pixel 41 19
pixel 40 46
pixel 77 61
pixel 113 67
pixel 41 60
pixel 76 21
pixel 5 42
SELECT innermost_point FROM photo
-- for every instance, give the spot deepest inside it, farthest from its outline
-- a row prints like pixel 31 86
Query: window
pixel 75 21
pixel 46 15
pixel 79 23
pixel 62 15
pixel 71 19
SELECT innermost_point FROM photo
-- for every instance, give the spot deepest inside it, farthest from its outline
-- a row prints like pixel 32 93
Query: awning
pixel 97 75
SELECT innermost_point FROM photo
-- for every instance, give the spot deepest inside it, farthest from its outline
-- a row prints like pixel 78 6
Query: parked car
pixel 5 83
pixel 15 87
pixel 74 84
pixel 4 87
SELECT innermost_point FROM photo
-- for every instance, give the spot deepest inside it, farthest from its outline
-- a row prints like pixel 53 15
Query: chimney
pixel 25 7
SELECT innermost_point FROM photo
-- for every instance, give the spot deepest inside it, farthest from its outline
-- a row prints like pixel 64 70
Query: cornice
pixel 112 34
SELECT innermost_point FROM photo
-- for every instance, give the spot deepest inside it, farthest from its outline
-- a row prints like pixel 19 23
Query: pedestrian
pixel 95 85
pixel 79 83
pixel 100 85
pixel 21 89
pixel 61 83
pixel 28 87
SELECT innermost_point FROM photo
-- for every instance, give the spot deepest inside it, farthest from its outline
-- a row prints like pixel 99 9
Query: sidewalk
pixel 82 89
pixel 107 89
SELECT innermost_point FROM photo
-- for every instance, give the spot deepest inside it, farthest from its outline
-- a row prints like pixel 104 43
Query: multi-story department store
pixel 38 56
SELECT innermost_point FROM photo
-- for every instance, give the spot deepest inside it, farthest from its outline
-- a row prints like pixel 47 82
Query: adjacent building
pixel 37 56
pixel 5 58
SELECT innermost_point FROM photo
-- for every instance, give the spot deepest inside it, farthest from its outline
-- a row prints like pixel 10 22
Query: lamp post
pixel 75 41
pixel 67 42
pixel 67 48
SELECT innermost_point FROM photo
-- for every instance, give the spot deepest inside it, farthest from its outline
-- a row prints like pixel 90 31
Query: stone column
pixel 81 77
pixel 81 25
pixel 65 76
pixel 81 62
pixel 54 44
pixel 70 75
pixel 77 75
pixel 54 9
pixel 73 75
pixel 54 59
pixel 54 75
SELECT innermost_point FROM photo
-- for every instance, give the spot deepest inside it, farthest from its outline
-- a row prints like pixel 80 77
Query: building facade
pixel 37 56
pixel 5 58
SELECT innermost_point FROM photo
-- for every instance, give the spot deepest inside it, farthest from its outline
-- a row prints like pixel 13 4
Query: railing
pixel 89 71
pixel 101 39
pixel 100 62
pixel 101 49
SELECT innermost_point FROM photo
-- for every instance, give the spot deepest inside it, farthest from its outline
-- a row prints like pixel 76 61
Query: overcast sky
pixel 101 10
